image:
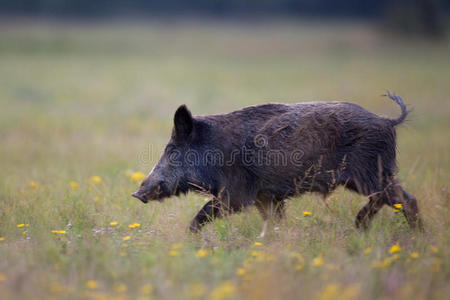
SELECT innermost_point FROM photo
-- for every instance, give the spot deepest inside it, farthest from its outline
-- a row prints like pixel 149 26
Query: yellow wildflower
pixel 397 210
pixel 146 289
pixel 74 185
pixel 126 238
pixel 120 288
pixel 258 255
pixel 2 238
pixel 398 206
pixel 197 291
pixel 306 213
pixel 415 255
pixel 20 225
pixel 386 262
pixel 96 179
pixel 241 271
pixel 33 184
pixel 202 253
pixel 336 291
pixel 135 225
pixel 176 246
pixel 367 250
pixel 56 288
pixel 331 291
pixel 395 248
pixel 59 231
pixel 92 284
pixel 137 176
pixel 318 261
pixel 2 277
pixel 173 253
pixel 257 244
pixel 382 264
pixel 351 292
pixel 123 254
pixel 225 290
pixel 113 224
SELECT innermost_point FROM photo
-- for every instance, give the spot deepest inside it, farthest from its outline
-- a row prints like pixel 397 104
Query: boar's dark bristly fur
pixel 261 155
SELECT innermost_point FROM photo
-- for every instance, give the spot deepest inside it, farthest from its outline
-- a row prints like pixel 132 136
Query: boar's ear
pixel 183 122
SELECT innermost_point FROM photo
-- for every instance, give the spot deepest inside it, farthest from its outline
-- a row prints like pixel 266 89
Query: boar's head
pixel 175 173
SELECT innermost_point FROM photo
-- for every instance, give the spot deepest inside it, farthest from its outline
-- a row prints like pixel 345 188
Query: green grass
pixel 83 100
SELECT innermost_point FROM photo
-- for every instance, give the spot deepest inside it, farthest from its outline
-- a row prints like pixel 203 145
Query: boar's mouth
pixel 158 193
pixel 140 197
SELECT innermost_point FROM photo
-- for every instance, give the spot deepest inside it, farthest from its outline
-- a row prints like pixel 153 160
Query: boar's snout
pixel 151 190
pixel 140 196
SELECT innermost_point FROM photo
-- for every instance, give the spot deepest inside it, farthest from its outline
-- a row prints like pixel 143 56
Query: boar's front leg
pixel 216 208
pixel 366 214
pixel 212 209
pixel 208 212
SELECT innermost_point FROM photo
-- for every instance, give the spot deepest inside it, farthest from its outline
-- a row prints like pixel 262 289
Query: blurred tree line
pixel 414 16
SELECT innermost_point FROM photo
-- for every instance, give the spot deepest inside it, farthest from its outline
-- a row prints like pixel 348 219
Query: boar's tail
pixel 402 105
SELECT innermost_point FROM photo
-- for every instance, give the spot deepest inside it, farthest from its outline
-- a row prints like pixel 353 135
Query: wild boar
pixel 262 155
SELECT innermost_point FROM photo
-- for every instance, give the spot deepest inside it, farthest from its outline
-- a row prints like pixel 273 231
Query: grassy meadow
pixel 84 108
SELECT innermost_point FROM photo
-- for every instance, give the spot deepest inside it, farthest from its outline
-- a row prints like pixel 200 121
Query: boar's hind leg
pixel 208 212
pixel 376 201
pixel 270 209
pixel 366 214
pixel 391 195
pixel 397 195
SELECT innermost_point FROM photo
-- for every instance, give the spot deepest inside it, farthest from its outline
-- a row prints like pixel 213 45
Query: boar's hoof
pixel 195 227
